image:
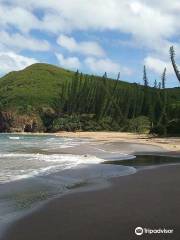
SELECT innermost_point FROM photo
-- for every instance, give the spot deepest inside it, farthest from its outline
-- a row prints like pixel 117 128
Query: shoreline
pixel 108 213
pixel 171 144
pixel 110 144
pixel 167 143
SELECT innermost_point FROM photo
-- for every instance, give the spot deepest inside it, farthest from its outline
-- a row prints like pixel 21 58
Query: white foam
pixel 52 163
pixel 15 155
pixel 14 138
pixel 31 174
pixel 21 166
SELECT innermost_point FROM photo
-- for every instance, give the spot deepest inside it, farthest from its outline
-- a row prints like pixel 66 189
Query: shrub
pixel 67 123
pixel 139 125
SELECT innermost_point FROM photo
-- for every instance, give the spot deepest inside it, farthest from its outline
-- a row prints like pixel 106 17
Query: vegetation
pixel 43 97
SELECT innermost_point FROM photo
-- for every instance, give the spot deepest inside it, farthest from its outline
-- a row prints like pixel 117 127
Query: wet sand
pixel 167 143
pixel 149 198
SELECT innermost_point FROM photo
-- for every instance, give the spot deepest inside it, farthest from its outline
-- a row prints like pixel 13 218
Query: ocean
pixel 34 168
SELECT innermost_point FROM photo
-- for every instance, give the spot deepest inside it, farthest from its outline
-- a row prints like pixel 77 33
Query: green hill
pixel 49 97
pixel 36 85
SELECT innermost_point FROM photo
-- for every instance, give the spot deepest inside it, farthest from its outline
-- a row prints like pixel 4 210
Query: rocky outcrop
pixel 13 122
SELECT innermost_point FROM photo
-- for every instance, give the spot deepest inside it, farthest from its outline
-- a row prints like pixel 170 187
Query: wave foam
pixel 18 166
pixel 14 138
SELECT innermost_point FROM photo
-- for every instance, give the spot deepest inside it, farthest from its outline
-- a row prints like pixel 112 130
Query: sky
pixel 94 36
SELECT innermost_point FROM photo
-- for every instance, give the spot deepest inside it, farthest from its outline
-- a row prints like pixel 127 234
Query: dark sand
pixel 149 198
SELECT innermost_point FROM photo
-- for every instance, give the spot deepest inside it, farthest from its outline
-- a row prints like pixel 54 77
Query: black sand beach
pixel 148 199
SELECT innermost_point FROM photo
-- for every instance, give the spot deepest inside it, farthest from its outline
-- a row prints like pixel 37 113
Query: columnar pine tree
pixel 155 84
pixel 172 56
pixel 145 77
pixel 104 98
pixel 146 102
pixel 164 79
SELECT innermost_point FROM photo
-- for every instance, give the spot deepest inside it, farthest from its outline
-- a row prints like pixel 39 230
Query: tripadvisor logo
pixel 140 231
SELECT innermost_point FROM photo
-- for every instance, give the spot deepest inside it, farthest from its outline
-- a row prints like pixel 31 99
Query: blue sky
pixel 92 36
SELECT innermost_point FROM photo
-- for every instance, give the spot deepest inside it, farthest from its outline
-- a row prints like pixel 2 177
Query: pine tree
pixel 172 56
pixel 159 85
pixel 162 120
pixel 145 79
pixel 105 75
pixel 164 79
pixel 155 84
pixel 147 101
pixel 104 98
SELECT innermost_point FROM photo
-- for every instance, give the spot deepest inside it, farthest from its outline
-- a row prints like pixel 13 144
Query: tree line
pixel 99 103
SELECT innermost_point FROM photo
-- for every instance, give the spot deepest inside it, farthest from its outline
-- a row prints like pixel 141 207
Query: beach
pixel 148 197
pixel 167 143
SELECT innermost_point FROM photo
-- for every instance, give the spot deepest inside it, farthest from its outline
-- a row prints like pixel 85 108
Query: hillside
pixel 38 94
pixel 37 85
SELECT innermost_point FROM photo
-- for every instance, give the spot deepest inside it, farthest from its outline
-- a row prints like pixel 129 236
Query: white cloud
pixel 106 65
pixel 53 23
pixel 143 19
pixel 153 25
pixel 165 5
pixel 158 65
pixel 70 62
pixel 10 61
pixel 18 17
pixel 86 48
pixel 18 42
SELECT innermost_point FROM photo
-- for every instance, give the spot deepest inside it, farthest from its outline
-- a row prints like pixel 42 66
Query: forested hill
pixel 38 85
pixel 44 97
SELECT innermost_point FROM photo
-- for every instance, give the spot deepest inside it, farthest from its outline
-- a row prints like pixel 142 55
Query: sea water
pixel 27 156
pixel 33 169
